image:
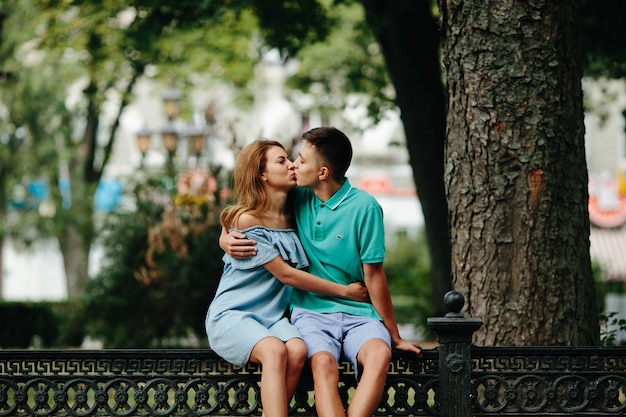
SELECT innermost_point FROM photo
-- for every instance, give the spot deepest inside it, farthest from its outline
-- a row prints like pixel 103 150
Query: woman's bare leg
pixel 296 357
pixel 271 353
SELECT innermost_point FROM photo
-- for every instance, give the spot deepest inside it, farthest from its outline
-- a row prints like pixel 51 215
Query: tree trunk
pixel 409 38
pixel 75 251
pixel 1 264
pixel 76 224
pixel 515 173
pixel 3 204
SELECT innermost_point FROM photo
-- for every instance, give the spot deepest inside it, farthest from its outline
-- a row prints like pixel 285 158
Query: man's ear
pixel 324 173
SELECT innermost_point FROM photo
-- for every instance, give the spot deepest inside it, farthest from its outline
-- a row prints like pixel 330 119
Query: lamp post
pixel 171 135
pixel 143 142
pixel 171 103
pixel 196 137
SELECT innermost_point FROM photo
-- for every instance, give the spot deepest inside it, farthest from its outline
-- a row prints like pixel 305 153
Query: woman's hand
pixel 357 291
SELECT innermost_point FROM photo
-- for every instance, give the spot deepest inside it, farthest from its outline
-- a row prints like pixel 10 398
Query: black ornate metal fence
pixel 528 381
pixel 549 381
pixel 177 383
pixel 453 380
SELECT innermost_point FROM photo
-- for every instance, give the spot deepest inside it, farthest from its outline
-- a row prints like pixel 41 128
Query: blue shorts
pixel 341 334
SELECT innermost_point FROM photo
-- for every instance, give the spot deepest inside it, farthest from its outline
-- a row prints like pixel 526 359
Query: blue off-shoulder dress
pixel 250 303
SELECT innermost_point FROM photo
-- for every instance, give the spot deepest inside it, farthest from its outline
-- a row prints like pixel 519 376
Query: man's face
pixel 307 165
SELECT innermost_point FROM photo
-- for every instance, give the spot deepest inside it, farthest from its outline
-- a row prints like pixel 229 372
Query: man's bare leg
pixel 272 355
pixel 325 382
pixel 374 359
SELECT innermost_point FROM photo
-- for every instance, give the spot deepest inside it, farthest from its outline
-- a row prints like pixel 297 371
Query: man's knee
pixel 375 351
pixel 324 364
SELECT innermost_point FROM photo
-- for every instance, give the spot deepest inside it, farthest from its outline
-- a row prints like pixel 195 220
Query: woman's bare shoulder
pixel 247 220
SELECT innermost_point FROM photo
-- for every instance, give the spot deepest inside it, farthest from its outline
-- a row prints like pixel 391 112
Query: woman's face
pixel 279 171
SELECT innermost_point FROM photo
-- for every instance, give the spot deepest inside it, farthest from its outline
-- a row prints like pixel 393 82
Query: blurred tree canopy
pixel 603 38
pixel 70 59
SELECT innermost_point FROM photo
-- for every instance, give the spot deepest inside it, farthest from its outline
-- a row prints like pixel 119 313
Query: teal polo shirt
pixel 339 236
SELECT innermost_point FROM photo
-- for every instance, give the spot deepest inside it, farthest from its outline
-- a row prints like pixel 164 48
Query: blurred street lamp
pixel 196 141
pixel 169 134
pixel 171 103
pixel 143 142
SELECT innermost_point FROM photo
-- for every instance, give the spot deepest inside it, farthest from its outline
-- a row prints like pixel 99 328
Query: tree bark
pixel 515 172
pixel 75 261
pixel 409 38
pixel 76 228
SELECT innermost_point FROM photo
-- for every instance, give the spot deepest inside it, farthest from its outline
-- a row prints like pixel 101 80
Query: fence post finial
pixel 454 334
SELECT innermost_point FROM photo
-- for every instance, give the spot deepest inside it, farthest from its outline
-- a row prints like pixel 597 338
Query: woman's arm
pixel 302 280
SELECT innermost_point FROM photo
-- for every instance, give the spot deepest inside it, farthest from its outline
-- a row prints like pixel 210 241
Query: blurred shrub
pixel 69 321
pixel 162 265
pixel 41 324
pixel 407 267
pixel 25 324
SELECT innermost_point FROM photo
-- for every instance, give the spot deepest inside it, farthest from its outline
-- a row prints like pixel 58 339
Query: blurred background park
pixel 119 125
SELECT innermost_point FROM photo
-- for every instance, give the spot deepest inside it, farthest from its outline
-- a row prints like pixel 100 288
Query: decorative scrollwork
pixel 174 383
pixel 537 381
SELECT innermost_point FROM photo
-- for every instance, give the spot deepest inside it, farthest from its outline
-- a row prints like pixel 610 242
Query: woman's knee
pixel 296 352
pixel 268 350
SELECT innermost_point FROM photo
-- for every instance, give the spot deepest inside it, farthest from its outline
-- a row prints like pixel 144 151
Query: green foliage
pixel 75 66
pixel 610 325
pixel 603 38
pixel 69 321
pixel 289 25
pixel 408 271
pixel 162 269
pixel 349 61
pixel 22 322
pixel 41 324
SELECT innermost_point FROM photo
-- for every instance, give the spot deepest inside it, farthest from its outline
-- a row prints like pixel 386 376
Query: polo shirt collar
pixel 339 197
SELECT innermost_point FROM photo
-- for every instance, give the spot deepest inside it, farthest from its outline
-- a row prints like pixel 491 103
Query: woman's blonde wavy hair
pixel 251 194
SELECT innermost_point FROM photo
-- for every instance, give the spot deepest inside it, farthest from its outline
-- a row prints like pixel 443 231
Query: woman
pixel 246 320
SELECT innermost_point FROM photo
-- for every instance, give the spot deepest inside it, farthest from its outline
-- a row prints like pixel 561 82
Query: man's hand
pixel 407 346
pixel 236 245
pixel 357 291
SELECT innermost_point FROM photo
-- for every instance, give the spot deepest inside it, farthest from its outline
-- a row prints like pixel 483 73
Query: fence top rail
pixel 172 362
pixel 191 354
pixel 549 350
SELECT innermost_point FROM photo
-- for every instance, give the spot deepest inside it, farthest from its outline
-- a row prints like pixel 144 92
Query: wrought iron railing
pixel 177 383
pixel 549 381
pixel 528 381
pixel 453 380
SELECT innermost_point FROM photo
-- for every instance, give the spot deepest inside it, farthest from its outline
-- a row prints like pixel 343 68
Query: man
pixel 342 232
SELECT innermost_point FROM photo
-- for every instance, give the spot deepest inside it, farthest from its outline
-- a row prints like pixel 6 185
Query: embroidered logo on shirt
pixel 339 237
